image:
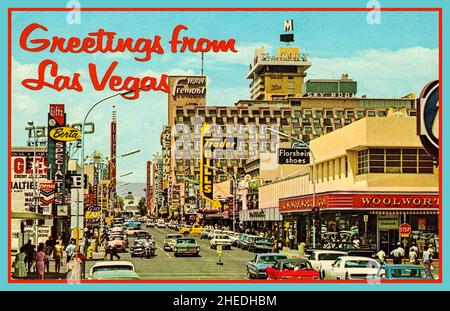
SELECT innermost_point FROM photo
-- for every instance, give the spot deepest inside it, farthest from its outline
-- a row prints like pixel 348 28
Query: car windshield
pixel 174 236
pixel 409 273
pixel 118 238
pixel 262 240
pixel 112 268
pixel 304 265
pixel 185 241
pixel 270 259
pixel 360 264
pixel 221 236
pixel 329 256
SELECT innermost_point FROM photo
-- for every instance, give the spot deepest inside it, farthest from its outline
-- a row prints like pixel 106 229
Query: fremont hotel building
pixel 280 97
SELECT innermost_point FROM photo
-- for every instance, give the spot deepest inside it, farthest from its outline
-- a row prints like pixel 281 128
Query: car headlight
pixel 198 248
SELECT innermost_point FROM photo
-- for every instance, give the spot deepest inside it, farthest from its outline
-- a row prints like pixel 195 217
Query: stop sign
pixel 405 230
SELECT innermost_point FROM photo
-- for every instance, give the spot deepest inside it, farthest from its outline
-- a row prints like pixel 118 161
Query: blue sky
pixel 391 59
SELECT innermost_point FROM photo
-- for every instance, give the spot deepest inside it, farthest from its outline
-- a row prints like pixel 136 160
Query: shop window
pixel 393 161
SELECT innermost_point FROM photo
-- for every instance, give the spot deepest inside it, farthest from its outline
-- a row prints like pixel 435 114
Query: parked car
pixel 260 244
pixel 292 269
pixel 204 234
pixel 150 223
pixel 257 267
pixel 322 260
pixel 195 229
pixel 110 270
pixel 171 240
pixel 221 239
pixel 404 272
pixel 185 246
pixel 352 268
pixel 234 236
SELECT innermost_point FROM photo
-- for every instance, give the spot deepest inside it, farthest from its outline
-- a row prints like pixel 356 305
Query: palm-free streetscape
pixel 306 179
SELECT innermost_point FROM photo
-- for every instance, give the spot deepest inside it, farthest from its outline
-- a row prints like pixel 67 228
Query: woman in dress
pixel 20 270
pixel 40 261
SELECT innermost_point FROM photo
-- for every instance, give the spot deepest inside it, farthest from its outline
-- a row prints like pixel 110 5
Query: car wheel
pixel 175 254
pixel 322 275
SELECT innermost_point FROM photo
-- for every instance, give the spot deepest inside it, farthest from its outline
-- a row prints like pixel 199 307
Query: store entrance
pixel 387 240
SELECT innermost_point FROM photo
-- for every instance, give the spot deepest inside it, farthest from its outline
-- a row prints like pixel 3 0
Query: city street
pixel 165 266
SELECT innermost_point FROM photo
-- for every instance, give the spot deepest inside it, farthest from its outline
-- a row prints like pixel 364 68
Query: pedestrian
pixel 48 252
pixel 381 255
pixel 114 253
pixel 40 261
pixel 426 258
pixel 74 268
pixel 107 250
pixel 70 250
pixel 398 254
pixel 57 255
pixel 20 270
pixel 356 241
pixel 412 256
pixel 414 249
pixel 29 250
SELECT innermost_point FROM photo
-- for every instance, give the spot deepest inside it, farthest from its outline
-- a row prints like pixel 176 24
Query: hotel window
pixel 327 122
pixel 305 121
pixel 319 114
pixel 298 113
pixel 329 114
pixel 316 121
pixel 409 161
pixel 319 130
pixel 363 161
pixel 360 114
pixel 294 120
pixel 350 113
pixel 425 162
pixel 308 129
pixel 393 161
pixel 291 83
pixel 377 161
pixel 255 112
pixel 308 113
pixel 340 113
pixel 371 113
pixel 412 113
pixel 381 113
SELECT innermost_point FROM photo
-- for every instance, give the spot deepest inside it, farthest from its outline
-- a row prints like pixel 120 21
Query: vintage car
pixel 150 223
pixel 352 268
pixel 245 240
pixel 119 242
pixel 204 234
pixel 195 229
pixel 143 248
pixel 212 233
pixel 132 223
pixel 404 272
pixel 221 239
pixel 135 232
pixel 323 259
pixel 144 235
pixel 292 269
pixel 256 269
pixel 260 244
pixel 171 240
pixel 234 236
pixel 160 223
pixel 116 275
pixel 186 246
pixel 112 267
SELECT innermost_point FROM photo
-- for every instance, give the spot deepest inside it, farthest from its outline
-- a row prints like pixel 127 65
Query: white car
pixel 150 223
pixel 352 268
pixel 212 233
pixel 322 260
pixel 234 236
pixel 160 224
pixel 221 239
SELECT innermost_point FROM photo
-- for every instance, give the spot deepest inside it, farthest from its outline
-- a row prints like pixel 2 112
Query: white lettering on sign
pixel 189 86
pixel 289 25
pixel 345 95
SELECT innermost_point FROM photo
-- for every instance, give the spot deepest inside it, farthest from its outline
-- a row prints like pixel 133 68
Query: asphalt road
pixel 165 266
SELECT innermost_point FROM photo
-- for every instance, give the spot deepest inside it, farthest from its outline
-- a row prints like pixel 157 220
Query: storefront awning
pixel 407 212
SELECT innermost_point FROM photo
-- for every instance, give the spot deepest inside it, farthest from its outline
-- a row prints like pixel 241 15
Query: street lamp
pixel 82 157
pixel 234 178
pixel 313 170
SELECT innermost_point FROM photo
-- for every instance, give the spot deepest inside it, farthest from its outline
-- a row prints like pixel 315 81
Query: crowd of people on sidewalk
pixel 399 254
pixel 31 260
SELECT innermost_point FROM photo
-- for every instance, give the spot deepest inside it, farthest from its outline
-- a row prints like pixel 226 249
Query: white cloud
pixel 382 73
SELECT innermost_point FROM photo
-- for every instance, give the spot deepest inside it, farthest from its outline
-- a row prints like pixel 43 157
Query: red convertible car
pixel 292 269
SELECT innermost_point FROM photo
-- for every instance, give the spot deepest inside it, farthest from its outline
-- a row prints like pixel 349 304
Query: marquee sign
pixel 428 118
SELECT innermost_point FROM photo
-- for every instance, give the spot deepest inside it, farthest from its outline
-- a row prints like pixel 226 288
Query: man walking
pixel 70 250
pixel 398 254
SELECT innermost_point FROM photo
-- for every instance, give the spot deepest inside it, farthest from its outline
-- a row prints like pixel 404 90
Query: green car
pixel 186 246
pixel 116 275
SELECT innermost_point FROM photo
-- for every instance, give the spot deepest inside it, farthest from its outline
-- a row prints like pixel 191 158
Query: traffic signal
pixel 316 214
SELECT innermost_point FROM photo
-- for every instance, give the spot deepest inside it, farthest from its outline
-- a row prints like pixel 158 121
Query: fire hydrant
pixel 90 251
